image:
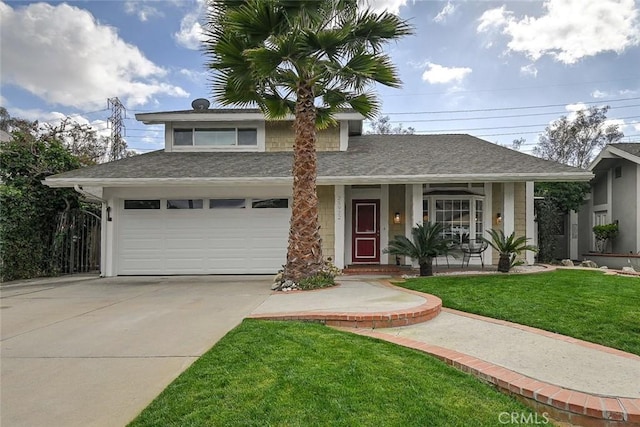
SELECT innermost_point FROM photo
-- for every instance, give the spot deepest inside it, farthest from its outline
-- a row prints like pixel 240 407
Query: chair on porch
pixel 473 248
pixel 452 247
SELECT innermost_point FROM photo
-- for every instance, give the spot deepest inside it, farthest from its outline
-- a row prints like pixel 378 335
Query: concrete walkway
pixel 573 380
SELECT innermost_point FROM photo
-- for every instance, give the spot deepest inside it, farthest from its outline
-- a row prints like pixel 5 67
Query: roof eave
pixel 321 180
pixel 190 116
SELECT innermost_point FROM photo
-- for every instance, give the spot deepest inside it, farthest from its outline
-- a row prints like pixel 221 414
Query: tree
pixel 382 126
pixel 309 59
pixel 427 243
pixel 29 208
pixel 575 141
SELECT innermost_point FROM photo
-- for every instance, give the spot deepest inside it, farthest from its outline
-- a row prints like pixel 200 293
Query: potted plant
pixel 426 243
pixel 508 248
pixel 605 233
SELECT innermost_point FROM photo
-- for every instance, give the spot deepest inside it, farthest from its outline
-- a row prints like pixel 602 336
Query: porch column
pixel 638 209
pixel 339 225
pixel 416 206
pixel 508 211
pixel 573 235
pixel 384 222
pixel 530 223
pixel 108 244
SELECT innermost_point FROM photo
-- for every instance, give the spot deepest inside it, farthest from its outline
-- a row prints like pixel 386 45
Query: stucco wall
pixel 326 215
pixel 623 207
pixel 279 136
pixel 599 188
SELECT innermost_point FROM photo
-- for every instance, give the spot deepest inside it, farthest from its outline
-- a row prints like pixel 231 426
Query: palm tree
pixel 309 59
pixel 427 242
pixel 508 248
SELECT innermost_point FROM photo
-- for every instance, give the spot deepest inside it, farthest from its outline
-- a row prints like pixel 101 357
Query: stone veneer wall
pixel 279 136
pixel 326 216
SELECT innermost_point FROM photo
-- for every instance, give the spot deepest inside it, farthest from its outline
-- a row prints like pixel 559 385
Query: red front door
pixel 366 231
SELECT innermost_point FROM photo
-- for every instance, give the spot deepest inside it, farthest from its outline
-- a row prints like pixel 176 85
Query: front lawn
pixel 301 374
pixel 582 304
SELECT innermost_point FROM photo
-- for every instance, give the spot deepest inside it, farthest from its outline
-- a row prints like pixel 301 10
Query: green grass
pixel 300 374
pixel 582 304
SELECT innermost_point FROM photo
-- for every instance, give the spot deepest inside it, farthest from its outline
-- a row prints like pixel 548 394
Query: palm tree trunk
pixel 304 254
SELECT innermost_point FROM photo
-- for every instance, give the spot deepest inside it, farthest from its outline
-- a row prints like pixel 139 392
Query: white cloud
pixel 140 8
pixel 599 94
pixel 391 6
pixel 191 33
pixel 446 11
pixel 529 70
pixel 569 30
pixel 61 54
pixel 194 76
pixel 438 74
pixel 636 126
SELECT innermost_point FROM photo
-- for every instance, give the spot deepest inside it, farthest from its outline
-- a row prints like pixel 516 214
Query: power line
pixel 497 117
pixel 506 108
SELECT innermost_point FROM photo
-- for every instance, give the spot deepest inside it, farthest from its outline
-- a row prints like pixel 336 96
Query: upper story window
pixel 216 137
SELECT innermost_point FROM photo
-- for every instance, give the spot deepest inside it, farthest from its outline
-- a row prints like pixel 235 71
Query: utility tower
pixel 118 113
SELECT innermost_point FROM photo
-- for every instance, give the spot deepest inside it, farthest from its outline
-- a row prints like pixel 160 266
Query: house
pixel 614 198
pixel 217 199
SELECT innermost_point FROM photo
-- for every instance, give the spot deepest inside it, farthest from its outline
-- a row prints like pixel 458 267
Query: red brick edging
pixel 381 319
pixel 561 404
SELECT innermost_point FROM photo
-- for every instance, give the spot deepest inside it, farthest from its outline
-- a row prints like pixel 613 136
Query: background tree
pixel 309 59
pixel 574 142
pixel 28 209
pixel 383 126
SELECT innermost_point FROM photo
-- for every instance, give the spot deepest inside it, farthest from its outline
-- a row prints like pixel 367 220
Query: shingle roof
pixel 629 147
pixel 368 157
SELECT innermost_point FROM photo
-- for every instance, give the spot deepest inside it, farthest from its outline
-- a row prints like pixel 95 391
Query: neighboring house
pixel 217 199
pixel 614 198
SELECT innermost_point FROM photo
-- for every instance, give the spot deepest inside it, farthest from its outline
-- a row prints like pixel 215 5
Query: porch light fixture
pixel 498 218
pixel 397 218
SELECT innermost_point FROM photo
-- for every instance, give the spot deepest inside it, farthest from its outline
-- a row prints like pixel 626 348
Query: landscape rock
pixel 604 267
pixel 589 264
pixel 628 269
pixel 567 263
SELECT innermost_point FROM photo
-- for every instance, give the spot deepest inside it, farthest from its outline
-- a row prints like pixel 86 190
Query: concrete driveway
pixel 95 352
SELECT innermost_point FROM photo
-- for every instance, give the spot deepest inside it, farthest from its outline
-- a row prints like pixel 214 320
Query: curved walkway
pixel 573 381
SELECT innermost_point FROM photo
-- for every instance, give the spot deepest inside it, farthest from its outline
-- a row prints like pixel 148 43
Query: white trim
pixel 217 116
pixel 344 135
pixel 611 152
pixel 321 180
pixel 530 223
pixel 408 203
pixel 488 220
pixel 384 222
pixel 416 210
pixel 508 214
pixel 638 208
pixel 339 228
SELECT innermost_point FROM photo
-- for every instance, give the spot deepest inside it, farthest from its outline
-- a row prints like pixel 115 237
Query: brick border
pixel 560 403
pixel 374 320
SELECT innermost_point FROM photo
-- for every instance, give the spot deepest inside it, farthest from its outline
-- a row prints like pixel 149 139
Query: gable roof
pixel 622 150
pixel 372 159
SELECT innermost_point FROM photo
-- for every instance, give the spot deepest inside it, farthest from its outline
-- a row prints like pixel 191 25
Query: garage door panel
pixel 202 241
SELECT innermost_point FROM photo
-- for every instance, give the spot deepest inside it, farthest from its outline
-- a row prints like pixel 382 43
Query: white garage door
pixel 202 236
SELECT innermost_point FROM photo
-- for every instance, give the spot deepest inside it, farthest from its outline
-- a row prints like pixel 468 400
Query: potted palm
pixel 509 247
pixel 426 243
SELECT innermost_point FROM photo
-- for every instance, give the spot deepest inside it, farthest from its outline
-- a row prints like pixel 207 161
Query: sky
pixel 499 70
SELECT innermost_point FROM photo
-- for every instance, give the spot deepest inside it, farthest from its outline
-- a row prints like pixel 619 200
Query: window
pixel 142 204
pixel 216 137
pixel 617 172
pixel 226 203
pixel 184 204
pixel 270 203
pixel 459 209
